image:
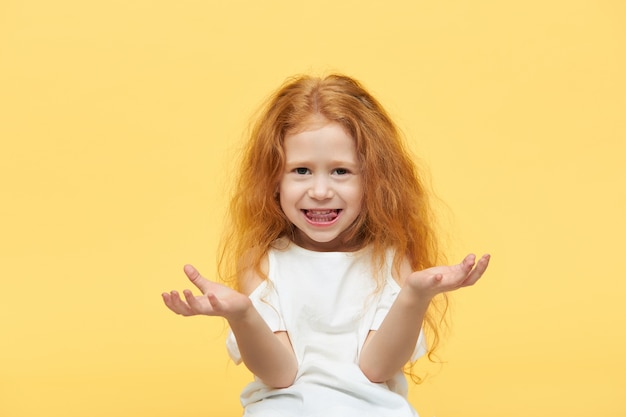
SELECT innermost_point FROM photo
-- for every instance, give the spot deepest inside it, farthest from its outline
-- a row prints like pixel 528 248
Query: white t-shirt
pixel 327 302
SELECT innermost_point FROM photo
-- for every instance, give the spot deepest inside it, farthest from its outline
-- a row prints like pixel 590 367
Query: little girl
pixel 332 259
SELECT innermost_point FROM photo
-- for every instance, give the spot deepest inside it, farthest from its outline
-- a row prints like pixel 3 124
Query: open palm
pixel 216 299
pixel 432 281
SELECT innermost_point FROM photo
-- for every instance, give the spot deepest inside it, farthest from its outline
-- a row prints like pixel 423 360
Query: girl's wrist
pixel 415 298
pixel 240 316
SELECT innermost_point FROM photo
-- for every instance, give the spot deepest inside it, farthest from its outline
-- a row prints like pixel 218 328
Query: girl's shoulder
pixel 400 274
pixel 254 276
pixel 251 278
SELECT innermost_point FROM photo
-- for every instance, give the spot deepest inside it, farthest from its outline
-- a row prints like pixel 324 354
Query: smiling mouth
pixel 321 216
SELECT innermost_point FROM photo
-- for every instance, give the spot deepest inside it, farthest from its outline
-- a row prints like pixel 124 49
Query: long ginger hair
pixel 395 210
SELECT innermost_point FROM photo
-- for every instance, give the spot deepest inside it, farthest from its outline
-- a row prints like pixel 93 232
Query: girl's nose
pixel 320 188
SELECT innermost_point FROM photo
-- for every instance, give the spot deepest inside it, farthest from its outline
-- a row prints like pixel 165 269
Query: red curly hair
pixel 395 212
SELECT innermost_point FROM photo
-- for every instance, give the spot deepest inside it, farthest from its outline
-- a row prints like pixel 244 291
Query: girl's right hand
pixel 216 299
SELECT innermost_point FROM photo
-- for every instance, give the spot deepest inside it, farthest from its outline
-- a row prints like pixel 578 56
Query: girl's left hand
pixel 432 281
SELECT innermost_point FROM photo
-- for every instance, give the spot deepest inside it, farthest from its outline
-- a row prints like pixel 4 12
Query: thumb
pixel 198 280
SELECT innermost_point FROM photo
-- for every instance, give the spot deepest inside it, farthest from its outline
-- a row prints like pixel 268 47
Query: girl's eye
pixel 341 171
pixel 301 171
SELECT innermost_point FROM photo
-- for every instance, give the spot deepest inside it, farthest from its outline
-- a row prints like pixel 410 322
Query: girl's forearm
pixel 391 346
pixel 264 354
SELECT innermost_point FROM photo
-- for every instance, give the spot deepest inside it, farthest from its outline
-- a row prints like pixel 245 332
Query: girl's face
pixel 321 189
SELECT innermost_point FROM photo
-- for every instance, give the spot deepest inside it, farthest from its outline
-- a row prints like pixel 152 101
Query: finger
pixel 198 280
pixel 468 262
pixel 194 304
pixel 463 270
pixel 478 271
pixel 168 300
pixel 215 302
pixel 177 305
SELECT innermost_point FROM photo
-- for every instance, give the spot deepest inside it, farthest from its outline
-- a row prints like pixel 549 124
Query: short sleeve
pixel 387 297
pixel 265 299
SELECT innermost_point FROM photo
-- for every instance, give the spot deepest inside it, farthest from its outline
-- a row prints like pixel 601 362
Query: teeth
pixel 327 215
pixel 320 212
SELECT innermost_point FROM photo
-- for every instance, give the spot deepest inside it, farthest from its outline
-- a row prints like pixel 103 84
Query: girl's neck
pixel 335 245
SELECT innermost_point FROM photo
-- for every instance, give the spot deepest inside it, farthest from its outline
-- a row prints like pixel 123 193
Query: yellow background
pixel 118 124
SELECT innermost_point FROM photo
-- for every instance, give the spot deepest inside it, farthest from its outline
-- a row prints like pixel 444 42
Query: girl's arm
pixel 389 348
pixel 267 355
